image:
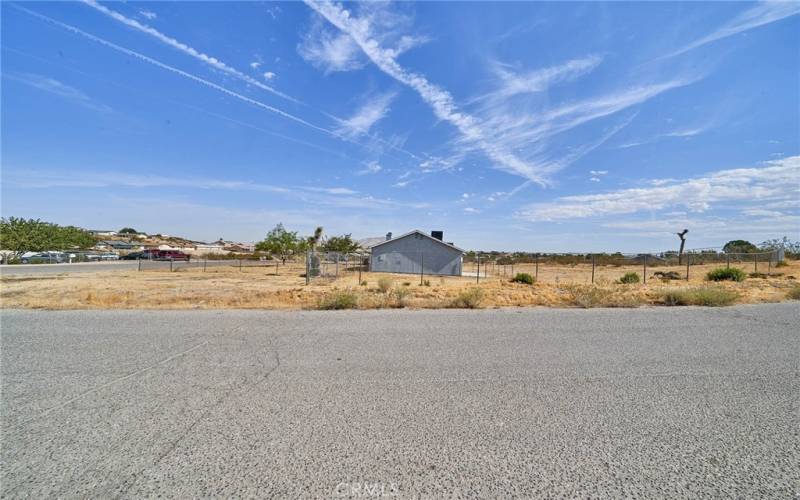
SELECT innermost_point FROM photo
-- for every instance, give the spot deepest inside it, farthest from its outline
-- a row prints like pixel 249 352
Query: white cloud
pixel 269 75
pixel 776 182
pixel 176 71
pixel 373 110
pixel 538 80
pixel 598 172
pixel 330 52
pixel 760 14
pixel 360 30
pixel 148 14
pixel 372 167
pixel 594 179
pixel 471 210
pixel 255 64
pixel 330 196
pixel 56 87
pixel 182 47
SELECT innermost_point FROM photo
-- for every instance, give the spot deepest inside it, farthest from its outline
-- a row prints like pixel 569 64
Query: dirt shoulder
pixel 262 288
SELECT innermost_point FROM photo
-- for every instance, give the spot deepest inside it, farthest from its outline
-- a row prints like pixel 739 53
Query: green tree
pixel 280 242
pixel 739 246
pixel 128 230
pixel 33 235
pixel 341 244
pixel 785 243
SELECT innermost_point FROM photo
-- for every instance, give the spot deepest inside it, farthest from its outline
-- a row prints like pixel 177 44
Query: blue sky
pixel 511 126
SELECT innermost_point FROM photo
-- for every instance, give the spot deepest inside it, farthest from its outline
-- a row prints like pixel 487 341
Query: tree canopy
pixel 128 230
pixel 33 235
pixel 739 246
pixel 280 242
pixel 341 244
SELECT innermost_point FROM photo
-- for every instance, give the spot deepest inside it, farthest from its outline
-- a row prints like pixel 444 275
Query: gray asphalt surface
pixel 665 402
pixel 121 265
pixel 78 267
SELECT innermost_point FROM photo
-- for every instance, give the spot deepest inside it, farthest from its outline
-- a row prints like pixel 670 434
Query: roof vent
pixel 388 236
pixel 437 234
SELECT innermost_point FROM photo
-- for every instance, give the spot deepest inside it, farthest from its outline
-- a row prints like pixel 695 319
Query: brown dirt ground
pixel 261 288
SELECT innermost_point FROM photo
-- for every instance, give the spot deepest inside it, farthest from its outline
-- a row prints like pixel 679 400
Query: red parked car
pixel 164 255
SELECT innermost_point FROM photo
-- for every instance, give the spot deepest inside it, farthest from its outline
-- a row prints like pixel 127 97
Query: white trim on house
pixel 417 231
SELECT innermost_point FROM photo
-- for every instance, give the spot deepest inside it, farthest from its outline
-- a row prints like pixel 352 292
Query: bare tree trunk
pixel 682 236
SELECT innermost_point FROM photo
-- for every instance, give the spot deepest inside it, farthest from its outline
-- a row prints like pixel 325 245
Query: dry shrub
pixel 470 298
pixel 592 296
pixel 712 297
pixel 726 274
pixel 794 293
pixel 384 284
pixel 629 278
pixel 401 297
pixel 339 299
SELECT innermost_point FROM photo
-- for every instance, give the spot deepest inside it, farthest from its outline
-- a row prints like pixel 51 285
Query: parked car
pixel 43 258
pixel 159 255
pixel 134 256
pixel 172 255
pixel 109 256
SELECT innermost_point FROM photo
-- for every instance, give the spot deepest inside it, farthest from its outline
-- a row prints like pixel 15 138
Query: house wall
pixel 408 254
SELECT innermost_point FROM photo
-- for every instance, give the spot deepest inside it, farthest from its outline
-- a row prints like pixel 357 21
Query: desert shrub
pixel 667 276
pixel 765 275
pixel 364 283
pixel 782 263
pixel 468 299
pixel 713 297
pixel 523 278
pixel 406 283
pixel 401 296
pixel 794 293
pixel 426 283
pixel 629 278
pixel 726 274
pixel 384 284
pixel 340 299
pixel 592 296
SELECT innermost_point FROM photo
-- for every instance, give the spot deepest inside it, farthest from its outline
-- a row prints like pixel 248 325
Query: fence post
pixel 537 267
pixel 139 260
pixel 337 265
pixel 308 268
pixel 645 269
pixel 240 265
pixel 478 273
pixel 755 263
pixel 276 268
pixel 512 269
pixel 688 258
pixel 592 268
pixel 421 266
pixel 360 264
pixel 170 264
pixel 769 265
pixel 205 262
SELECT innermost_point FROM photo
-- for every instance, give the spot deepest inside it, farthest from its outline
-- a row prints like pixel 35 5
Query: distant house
pixel 102 232
pixel 416 252
pixel 117 245
pixel 215 247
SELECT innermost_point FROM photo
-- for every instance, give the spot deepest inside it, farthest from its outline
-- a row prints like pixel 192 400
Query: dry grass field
pixel 261 288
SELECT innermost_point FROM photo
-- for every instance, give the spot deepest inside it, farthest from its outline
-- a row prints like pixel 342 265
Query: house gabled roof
pixel 417 231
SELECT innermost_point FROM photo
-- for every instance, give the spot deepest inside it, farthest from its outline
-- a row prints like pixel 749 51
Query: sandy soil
pixel 229 287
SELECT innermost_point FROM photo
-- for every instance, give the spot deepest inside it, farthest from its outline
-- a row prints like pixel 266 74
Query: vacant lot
pixel 283 287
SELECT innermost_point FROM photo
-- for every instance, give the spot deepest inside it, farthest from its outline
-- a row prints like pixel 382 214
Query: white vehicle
pixel 109 256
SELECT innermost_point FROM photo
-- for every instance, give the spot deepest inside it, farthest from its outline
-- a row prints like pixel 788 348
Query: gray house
pixel 414 252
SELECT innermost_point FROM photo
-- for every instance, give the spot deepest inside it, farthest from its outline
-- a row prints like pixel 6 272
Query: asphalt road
pixel 121 265
pixel 78 267
pixel 651 402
